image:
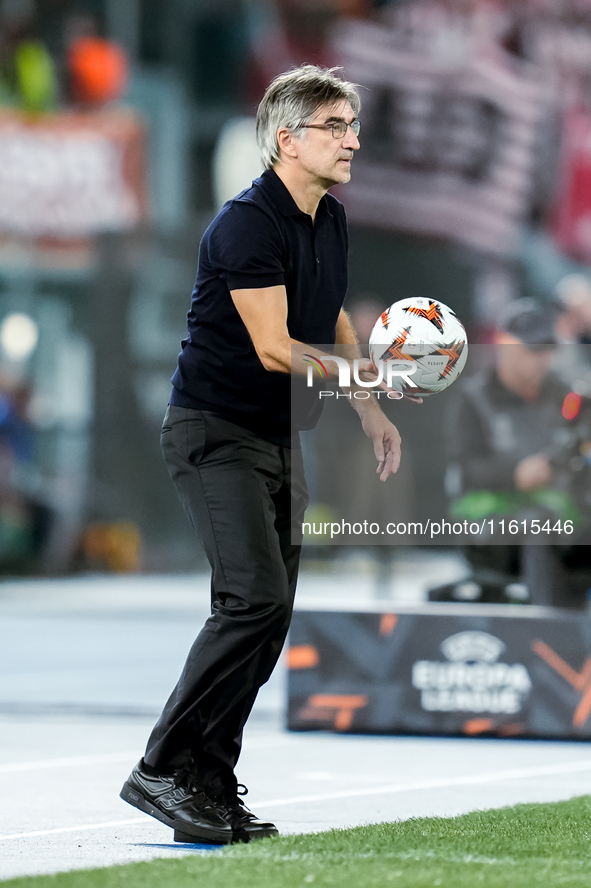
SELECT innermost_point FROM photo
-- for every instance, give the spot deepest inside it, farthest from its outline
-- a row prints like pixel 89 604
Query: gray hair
pixel 292 99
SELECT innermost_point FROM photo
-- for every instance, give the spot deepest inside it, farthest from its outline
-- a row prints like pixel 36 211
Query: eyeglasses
pixel 339 127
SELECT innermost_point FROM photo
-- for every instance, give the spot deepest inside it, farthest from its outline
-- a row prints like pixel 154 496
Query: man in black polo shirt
pixel 272 276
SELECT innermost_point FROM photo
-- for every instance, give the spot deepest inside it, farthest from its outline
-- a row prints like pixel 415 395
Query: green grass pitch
pixel 527 845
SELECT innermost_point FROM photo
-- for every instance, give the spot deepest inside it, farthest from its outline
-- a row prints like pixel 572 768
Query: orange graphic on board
pixel 336 708
pixel 478 726
pixel 475 726
pixel 581 681
pixel 387 623
pixel 302 656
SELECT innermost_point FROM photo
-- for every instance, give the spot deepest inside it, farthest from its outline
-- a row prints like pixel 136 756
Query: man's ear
pixel 286 141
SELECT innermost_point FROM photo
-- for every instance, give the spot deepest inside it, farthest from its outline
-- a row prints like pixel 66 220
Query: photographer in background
pixel 514 444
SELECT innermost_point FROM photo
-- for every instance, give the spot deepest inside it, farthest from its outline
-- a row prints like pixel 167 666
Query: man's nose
pixel 350 140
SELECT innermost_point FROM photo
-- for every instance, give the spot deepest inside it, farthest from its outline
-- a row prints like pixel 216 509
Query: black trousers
pixel 241 494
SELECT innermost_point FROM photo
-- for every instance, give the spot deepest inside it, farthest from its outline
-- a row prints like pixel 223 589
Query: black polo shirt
pixel 261 239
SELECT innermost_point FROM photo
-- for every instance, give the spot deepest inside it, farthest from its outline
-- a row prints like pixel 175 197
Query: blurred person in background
pixel 98 69
pixel 510 459
pixel 272 275
pixel 25 521
pixel 574 294
pixel 573 326
pixel 27 72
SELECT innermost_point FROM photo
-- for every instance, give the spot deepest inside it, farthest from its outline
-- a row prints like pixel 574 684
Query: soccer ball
pixel 423 334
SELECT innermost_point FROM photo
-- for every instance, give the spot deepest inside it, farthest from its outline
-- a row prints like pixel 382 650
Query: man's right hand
pixel 532 472
pixel 368 373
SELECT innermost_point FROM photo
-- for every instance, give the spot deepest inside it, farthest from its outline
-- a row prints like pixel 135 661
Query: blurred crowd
pixel 52 53
pixel 552 34
pixel 473 185
pixel 84 67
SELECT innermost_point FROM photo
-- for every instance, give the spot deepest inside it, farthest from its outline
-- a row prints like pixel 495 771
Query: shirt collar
pixel 283 199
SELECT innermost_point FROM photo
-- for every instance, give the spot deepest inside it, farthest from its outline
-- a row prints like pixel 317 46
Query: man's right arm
pixel 264 314
pixel 246 251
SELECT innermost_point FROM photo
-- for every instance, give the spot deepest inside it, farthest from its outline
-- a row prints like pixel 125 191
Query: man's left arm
pixel 383 434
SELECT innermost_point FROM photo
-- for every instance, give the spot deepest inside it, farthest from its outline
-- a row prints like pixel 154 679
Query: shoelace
pixel 233 799
pixel 186 777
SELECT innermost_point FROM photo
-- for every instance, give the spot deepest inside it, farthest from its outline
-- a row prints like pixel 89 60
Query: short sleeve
pixel 245 248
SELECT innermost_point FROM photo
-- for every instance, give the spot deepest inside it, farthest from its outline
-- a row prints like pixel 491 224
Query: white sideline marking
pixel 71 762
pixel 67 829
pixel 437 783
pixel 470 780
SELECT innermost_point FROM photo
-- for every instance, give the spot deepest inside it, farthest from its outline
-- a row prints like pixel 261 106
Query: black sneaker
pixel 178 801
pixel 246 826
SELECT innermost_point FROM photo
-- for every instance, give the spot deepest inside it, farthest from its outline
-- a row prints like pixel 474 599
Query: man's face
pixel 325 158
pixel 522 369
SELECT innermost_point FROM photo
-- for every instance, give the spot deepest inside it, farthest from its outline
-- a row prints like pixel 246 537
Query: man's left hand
pixel 386 441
